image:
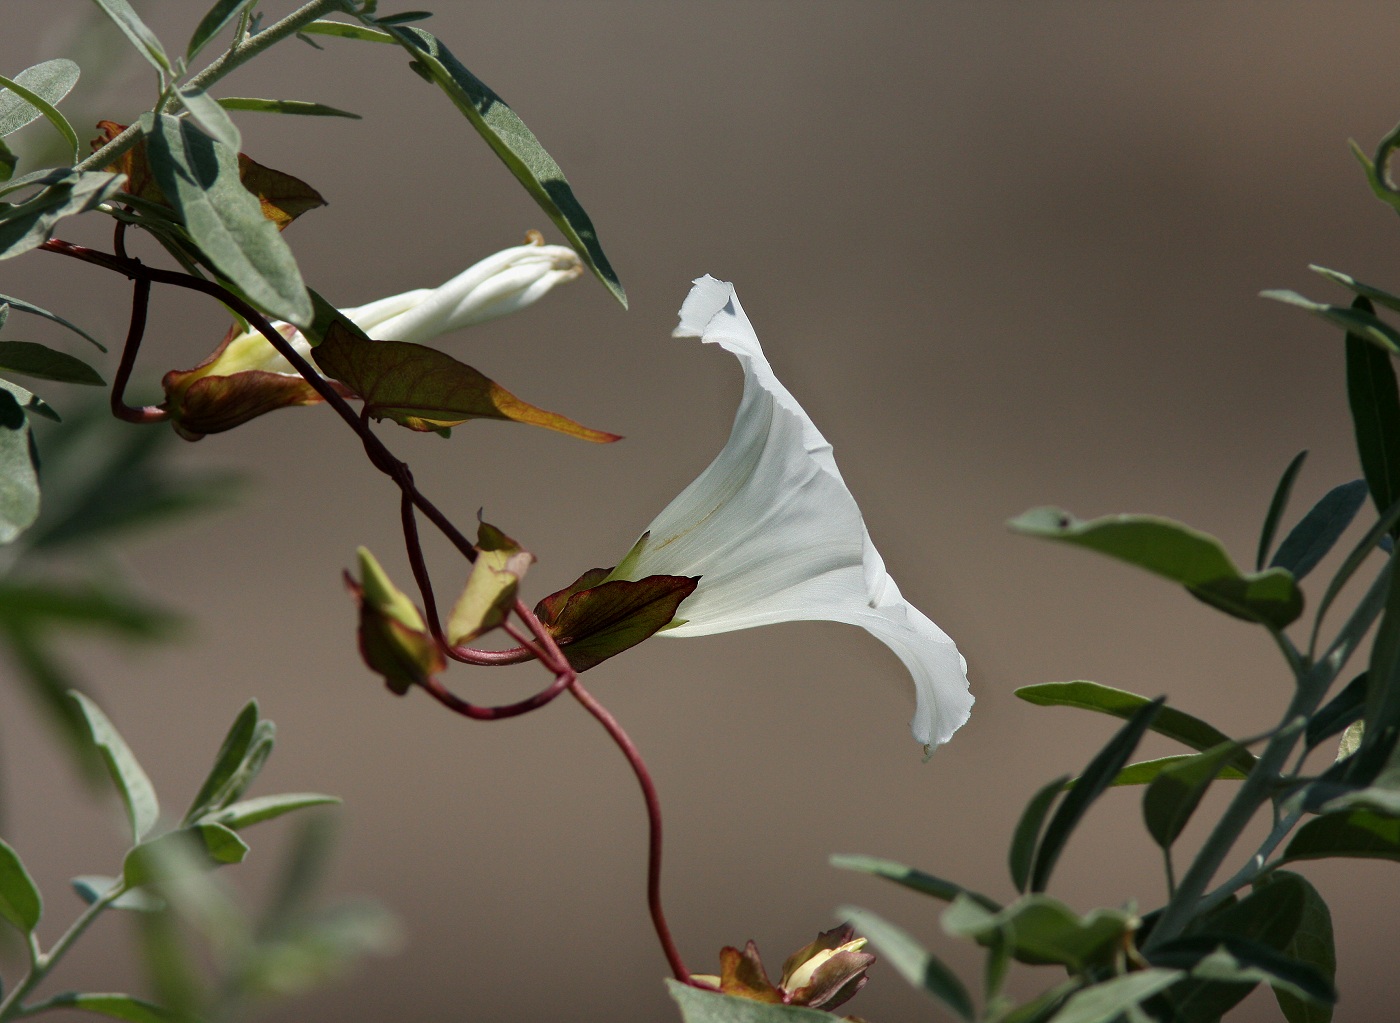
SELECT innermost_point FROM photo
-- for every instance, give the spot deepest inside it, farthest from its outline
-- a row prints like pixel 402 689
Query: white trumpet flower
pixel 775 536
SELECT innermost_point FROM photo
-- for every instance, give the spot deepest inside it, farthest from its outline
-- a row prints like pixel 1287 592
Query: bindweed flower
pixel 824 974
pixel 246 377
pixel 775 536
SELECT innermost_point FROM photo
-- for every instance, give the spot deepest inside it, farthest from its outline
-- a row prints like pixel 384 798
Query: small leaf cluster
pixel 165 878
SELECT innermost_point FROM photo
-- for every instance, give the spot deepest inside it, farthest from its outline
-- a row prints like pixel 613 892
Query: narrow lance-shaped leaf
pixel 1173 795
pixel 50 81
pixel 19 471
pixel 341 30
pixel 915 880
pixel 233 750
pixel 20 903
pixel 1375 414
pixel 1144 771
pixel 911 960
pixel 425 390
pixel 265 808
pixel 299 107
pixel 1026 837
pixel 201 179
pixel 135 30
pixel 113 1006
pixel 213 23
pixel 137 793
pixel 514 143
pixel 38 101
pixel 44 363
pixel 1109 1000
pixel 1174 724
pixel 29 224
pixel 1376 295
pixel 212 117
pixel 1179 553
pixel 1357 319
pixel 1096 777
pixel 1319 530
pixel 1276 508
pixel 20 305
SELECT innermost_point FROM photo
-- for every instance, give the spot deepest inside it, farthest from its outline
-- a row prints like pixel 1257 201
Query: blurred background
pixel 1005 255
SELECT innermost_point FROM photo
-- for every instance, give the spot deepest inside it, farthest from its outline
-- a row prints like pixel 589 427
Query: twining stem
pixel 240 53
pixel 639 768
pixel 42 962
pixel 148 413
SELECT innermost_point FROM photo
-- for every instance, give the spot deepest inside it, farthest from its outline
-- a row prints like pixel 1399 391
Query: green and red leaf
pixel 592 620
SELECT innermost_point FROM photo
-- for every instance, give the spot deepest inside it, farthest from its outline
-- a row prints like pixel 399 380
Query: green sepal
pixel 491 587
pixel 594 622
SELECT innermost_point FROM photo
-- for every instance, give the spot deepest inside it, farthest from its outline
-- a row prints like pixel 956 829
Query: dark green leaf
pixel 604 620
pixel 1360 833
pixel 1179 553
pixel 1382 711
pixel 201 179
pixel 1375 415
pixel 28 307
pixel 325 27
pixel 1276 508
pixel 137 793
pixel 1174 724
pixel 284 106
pixel 20 903
pixel 1341 711
pixel 1107 1001
pixel 1172 797
pixel 35 360
pixel 1027 835
pixel 699 1006
pixel 8 162
pixel 1095 778
pixel 36 100
pixel 1311 944
pixel 38 178
pixel 135 30
pixel 1145 770
pixel 1357 320
pixel 212 117
pixel 113 1006
pixel 1314 536
pixel 514 143
pixel 227 762
pixel 1375 294
pixel 19 465
pixel 1042 930
pixel 213 23
pixel 27 225
pixel 403 17
pixel 424 389
pixel 910 878
pixel 50 81
pixel 49 682
pixel 265 808
pixel 910 960
pixel 28 606
pixel 1233 961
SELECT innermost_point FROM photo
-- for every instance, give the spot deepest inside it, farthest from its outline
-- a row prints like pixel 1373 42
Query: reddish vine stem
pixel 634 757
pixel 544 647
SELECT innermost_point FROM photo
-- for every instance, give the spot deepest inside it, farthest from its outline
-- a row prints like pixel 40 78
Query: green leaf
pixel 20 903
pixel 137 793
pixel 1319 530
pixel 1096 777
pixel 1172 797
pixel 1375 294
pixel 1276 508
pixel 35 100
pixel 176 854
pixel 1311 945
pixel 1377 172
pixel 32 605
pixel 227 762
pixel 135 30
pixel 221 842
pixel 601 621
pixel 425 390
pixel 284 106
pixel 1043 930
pixel 213 23
pixel 699 1006
pixel 8 161
pixel 339 29
pixel 1382 711
pixel 1375 415
pixel 915 880
pixel 27 225
pixel 212 117
pixel 113 1006
pixel 1174 724
pixel 1355 834
pixel 1027 834
pixel 1104 1002
pixel 19 465
pixel 1338 713
pixel 29 307
pixel 265 808
pixel 1238 961
pixel 91 887
pixel 515 144
pixel 50 82
pixel 1179 553
pixel 1145 770
pixel 911 960
pixel 1358 319
pixel 1360 621
pixel 201 179
pixel 35 360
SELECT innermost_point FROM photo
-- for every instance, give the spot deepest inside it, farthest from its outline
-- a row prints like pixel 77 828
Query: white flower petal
pixel 776 536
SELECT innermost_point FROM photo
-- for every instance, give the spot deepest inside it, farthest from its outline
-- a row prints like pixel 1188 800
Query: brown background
pixel 1005 254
